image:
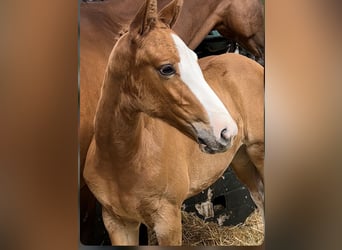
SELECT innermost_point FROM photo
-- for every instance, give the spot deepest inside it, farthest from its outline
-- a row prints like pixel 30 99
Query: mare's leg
pixel 256 153
pixel 168 225
pixel 121 232
pixel 251 174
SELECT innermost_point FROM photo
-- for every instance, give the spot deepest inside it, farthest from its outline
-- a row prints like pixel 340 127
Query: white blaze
pixel 191 74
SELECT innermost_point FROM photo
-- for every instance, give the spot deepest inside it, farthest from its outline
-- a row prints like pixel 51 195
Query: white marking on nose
pixel 191 74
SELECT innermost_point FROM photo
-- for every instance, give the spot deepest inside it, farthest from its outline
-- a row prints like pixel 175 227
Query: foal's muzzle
pixel 209 143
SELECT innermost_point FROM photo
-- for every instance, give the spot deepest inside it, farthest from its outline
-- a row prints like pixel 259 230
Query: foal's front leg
pixel 121 232
pixel 168 225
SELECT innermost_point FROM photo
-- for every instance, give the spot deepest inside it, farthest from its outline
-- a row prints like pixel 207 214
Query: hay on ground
pixel 197 232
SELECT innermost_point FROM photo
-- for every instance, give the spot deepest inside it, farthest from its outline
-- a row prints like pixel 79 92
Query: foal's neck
pixel 118 124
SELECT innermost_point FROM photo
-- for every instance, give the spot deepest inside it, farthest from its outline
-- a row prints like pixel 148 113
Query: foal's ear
pixel 146 18
pixel 170 12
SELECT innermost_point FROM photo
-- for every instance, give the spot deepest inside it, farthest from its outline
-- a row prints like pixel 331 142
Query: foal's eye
pixel 167 70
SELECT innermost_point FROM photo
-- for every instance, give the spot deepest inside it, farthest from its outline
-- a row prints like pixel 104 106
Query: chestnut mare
pixel 164 131
pixel 240 21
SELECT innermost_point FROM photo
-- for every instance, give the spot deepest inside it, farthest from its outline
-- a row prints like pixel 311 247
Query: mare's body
pixel 240 21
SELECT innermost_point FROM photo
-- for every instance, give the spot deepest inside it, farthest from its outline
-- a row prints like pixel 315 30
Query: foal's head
pixel 161 77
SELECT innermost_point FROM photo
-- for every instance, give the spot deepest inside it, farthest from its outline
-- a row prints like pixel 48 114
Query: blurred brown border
pixel 39 125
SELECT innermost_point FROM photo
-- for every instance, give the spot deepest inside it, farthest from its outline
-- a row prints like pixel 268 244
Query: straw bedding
pixel 197 232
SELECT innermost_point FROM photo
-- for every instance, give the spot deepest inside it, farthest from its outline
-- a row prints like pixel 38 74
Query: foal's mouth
pixel 206 149
pixel 212 147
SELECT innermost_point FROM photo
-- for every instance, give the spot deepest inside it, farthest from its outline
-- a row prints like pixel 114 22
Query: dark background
pixel 39 125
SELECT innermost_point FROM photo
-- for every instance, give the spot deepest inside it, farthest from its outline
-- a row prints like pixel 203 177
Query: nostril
pixel 224 134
